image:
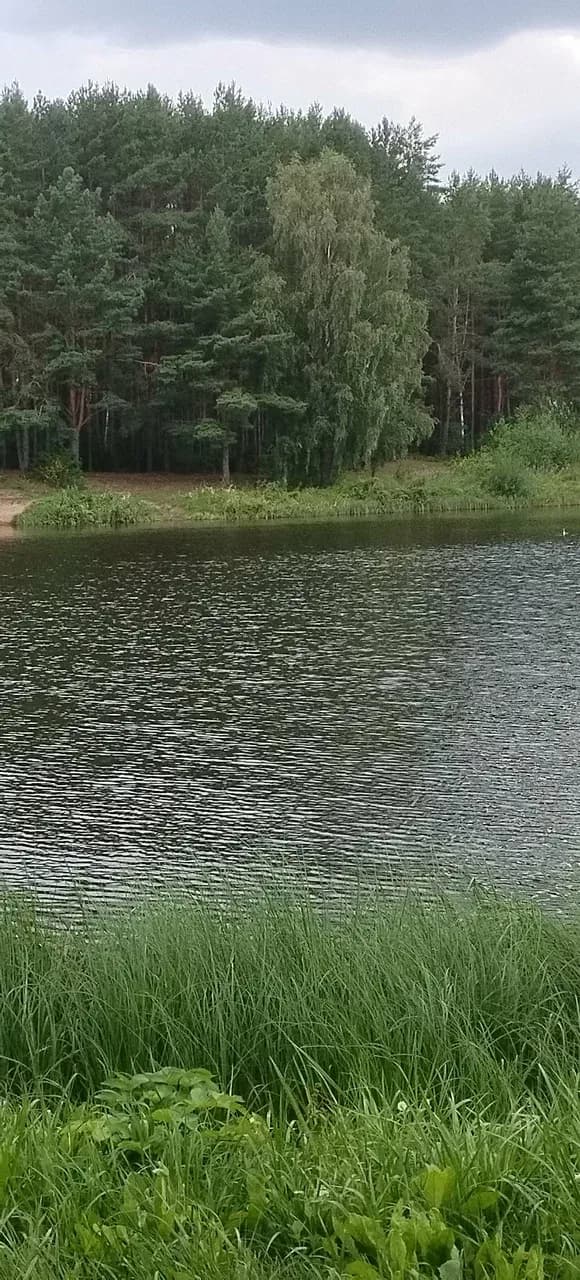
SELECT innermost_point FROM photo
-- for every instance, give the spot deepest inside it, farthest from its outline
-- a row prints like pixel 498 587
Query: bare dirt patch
pixel 11 507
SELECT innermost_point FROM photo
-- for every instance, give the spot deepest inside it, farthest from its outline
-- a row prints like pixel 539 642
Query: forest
pixel 274 293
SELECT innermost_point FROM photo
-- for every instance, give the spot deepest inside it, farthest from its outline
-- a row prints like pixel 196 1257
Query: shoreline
pixel 158 506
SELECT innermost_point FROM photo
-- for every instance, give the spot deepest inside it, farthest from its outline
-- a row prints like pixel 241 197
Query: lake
pixel 344 706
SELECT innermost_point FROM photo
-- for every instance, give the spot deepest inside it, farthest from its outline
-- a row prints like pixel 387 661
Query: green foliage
pixel 234 1194
pixel 156 257
pixel 59 471
pixel 359 335
pixel 75 508
pixel 538 337
pixel 506 476
pixel 545 438
pixel 134 1114
pixel 411 1077
pixel 473 1001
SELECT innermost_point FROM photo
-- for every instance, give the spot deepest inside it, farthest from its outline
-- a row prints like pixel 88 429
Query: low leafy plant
pixel 134 1113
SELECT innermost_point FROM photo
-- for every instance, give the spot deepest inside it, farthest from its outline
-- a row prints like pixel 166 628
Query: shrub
pixel 79 509
pixel 507 477
pixel 59 471
pixel 544 439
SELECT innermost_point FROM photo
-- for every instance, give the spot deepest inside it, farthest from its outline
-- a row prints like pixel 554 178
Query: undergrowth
pixel 278 1093
pixel 78 508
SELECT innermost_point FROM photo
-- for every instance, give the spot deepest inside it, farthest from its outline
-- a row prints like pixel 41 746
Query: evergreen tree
pixel 257 284
pixel 538 340
pixel 79 296
pixel 230 339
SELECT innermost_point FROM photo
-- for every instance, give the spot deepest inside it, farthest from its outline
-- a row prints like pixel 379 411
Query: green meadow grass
pixel 478 999
pixel 408 1076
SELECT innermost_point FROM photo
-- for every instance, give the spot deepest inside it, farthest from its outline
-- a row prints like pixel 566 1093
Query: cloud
pixel 510 106
pixel 418 24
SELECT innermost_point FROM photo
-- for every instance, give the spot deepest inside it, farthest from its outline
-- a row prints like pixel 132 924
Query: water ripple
pixel 351 708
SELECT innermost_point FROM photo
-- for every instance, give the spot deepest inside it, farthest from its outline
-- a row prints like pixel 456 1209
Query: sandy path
pixel 11 507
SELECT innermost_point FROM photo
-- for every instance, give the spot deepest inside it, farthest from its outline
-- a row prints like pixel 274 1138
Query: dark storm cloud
pixel 420 25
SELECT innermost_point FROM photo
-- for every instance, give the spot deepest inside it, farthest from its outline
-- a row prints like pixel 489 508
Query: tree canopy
pixel 271 292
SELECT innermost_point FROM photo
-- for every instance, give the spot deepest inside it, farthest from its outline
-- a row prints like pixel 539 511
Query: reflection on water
pixel 350 704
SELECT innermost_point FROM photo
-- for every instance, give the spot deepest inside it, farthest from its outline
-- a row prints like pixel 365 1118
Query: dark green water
pixel 349 704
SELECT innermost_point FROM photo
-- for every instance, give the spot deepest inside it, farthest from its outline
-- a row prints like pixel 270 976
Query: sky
pixel 498 81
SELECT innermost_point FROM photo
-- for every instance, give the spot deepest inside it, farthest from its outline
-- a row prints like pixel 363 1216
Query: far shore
pixel 413 488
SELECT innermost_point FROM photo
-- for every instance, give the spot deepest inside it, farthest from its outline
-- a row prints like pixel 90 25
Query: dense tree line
pixel 283 293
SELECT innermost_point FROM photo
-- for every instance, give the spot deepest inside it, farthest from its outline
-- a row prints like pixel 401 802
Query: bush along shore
pixel 532 462
pixel 388 1093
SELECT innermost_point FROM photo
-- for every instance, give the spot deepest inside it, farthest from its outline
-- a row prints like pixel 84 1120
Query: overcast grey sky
pixel 499 81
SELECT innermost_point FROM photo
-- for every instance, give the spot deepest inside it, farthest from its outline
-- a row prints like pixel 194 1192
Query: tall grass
pixel 489 481
pixel 77 508
pixel 413 1075
pixel 477 1000
pixel 355 497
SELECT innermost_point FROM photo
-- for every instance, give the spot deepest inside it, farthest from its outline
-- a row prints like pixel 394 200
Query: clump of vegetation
pixel 164 1175
pixel 506 476
pixel 542 439
pixel 59 471
pixel 74 508
pixel 400 1094
pixel 474 1001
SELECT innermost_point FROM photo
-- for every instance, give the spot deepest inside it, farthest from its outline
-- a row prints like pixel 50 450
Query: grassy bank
pixel 532 462
pixel 77 508
pixel 411 1078
pixel 411 489
pixel 478 1002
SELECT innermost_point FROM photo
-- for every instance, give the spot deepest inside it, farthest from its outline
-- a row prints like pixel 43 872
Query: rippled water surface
pixel 349 704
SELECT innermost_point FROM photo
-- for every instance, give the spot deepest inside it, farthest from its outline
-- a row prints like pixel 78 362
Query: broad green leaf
pixel 453 1268
pixel 364 1231
pixel 362 1270
pixel 480 1201
pixel 397 1251
pixel 438 1185
pixel 491 1263
pixel 535 1264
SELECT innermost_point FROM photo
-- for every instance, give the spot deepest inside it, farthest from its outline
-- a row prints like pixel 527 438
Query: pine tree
pixel 538 340
pixel 79 296
pixel 228 339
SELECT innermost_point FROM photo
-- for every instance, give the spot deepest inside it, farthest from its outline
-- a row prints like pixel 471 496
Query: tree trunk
pixel 149 449
pixel 226 462
pixel 75 446
pixel 499 397
pixel 444 440
pixel 23 448
pixel 472 430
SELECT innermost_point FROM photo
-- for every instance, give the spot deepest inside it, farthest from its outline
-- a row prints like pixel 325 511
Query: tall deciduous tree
pixel 359 336
pixel 458 296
